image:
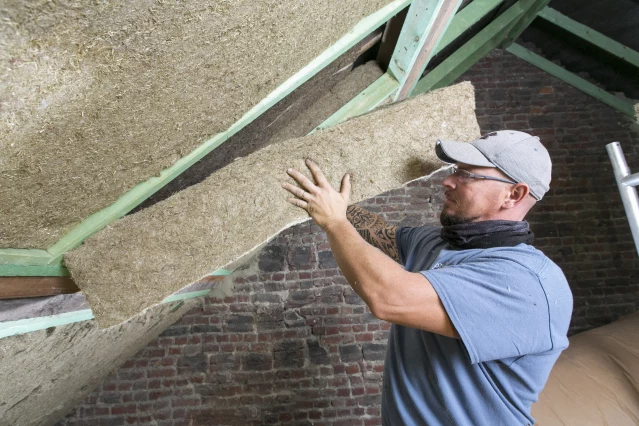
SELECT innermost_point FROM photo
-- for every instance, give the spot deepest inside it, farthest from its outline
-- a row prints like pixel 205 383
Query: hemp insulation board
pixel 340 94
pixel 99 96
pixel 48 372
pixel 138 260
pixel 294 116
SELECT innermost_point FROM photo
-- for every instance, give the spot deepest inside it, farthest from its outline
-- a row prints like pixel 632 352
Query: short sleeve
pixel 497 305
pixel 408 238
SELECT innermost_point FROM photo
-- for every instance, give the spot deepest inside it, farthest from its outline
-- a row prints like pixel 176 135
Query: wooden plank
pixel 574 80
pixel 591 36
pixel 425 24
pixel 471 52
pixel 19 287
pixel 142 191
pixel 531 9
pixel 366 101
pixel 464 19
pixel 33 271
pixel 25 257
pixel 386 85
pixel 12 328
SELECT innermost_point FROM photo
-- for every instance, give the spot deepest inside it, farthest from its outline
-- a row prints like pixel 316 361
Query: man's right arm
pixel 374 230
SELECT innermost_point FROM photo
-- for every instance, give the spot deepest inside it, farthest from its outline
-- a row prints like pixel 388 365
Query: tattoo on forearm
pixel 374 230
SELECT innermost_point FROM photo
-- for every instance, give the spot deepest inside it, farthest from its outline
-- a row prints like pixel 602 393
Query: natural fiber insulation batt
pixel 99 96
pixel 142 258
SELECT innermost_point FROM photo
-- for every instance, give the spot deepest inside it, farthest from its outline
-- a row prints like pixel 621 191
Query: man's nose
pixel 449 182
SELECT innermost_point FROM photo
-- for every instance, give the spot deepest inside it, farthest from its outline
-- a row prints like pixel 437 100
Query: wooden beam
pixel 12 328
pixel 142 191
pixel 425 24
pixel 530 10
pixel 471 52
pixel 591 36
pixel 19 287
pixel 574 80
pixel 25 257
pixel 28 325
pixel 367 100
pixel 33 271
pixel 386 85
pixel 466 18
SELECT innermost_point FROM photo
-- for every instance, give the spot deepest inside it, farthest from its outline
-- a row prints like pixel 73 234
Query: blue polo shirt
pixel 511 307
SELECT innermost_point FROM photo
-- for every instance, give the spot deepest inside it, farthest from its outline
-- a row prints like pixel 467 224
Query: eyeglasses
pixel 465 175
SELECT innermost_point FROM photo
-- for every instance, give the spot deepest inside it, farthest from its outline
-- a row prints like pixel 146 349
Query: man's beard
pixel 450 219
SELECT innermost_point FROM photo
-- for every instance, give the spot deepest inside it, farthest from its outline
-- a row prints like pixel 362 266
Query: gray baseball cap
pixel 518 155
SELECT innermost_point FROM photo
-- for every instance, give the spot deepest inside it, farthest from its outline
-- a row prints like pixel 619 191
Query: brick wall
pixel 295 345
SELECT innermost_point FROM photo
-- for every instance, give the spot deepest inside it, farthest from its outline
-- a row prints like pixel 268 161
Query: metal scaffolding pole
pixel 626 183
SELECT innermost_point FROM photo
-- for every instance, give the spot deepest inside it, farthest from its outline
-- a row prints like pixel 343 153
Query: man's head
pixel 499 176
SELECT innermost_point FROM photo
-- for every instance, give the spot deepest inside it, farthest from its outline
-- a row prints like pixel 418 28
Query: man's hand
pixel 326 206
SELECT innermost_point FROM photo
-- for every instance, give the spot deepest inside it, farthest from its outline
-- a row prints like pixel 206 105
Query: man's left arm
pixel 391 293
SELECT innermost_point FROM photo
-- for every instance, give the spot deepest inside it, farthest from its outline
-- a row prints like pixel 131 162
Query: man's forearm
pixel 367 270
pixel 374 230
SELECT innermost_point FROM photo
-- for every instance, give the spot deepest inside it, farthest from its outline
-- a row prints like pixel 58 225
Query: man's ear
pixel 516 195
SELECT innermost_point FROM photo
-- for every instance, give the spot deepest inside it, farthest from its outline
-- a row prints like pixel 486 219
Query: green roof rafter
pixel 387 85
pixel 473 50
pixel 591 36
pixel 426 22
pixel 574 80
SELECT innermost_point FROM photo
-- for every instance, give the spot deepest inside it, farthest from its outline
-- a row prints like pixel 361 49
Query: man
pixel 479 315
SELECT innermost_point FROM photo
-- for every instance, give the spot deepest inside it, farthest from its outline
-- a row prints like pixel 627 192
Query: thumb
pixel 345 191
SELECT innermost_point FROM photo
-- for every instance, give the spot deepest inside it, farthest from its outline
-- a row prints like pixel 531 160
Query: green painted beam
pixel 221 272
pixel 591 36
pixel 366 101
pixel 531 9
pixel 142 191
pixel 425 23
pixel 471 52
pixel 12 328
pixel 386 85
pixel 574 80
pixel 466 18
pixel 33 271
pixel 25 257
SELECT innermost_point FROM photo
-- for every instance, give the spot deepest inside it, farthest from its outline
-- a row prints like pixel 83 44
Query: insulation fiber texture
pixel 98 96
pixel 48 372
pixel 140 259
pixel 358 80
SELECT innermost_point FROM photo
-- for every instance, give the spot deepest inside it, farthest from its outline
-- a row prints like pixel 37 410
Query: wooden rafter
pixel 591 36
pixel 530 10
pixel 473 50
pixel 387 85
pixel 19 287
pixel 426 22
pixel 574 80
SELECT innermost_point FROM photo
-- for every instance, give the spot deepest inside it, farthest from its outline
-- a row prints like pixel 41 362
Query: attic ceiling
pixel 617 19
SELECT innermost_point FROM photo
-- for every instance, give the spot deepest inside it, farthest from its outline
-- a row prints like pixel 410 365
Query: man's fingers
pixel 346 187
pixel 317 173
pixel 295 190
pixel 302 180
pixel 298 203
